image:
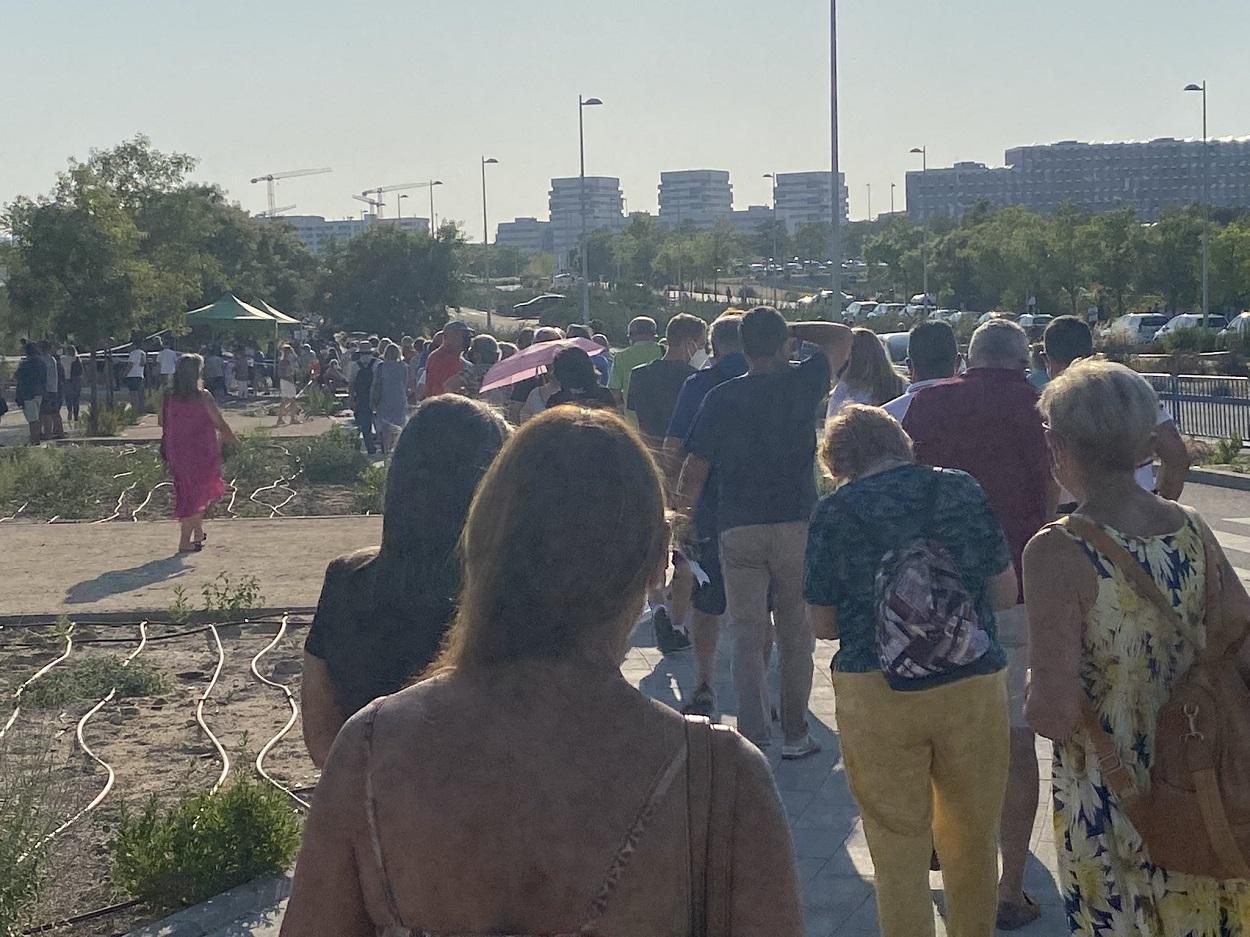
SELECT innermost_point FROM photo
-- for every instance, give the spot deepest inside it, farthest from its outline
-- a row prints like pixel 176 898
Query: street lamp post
pixel 433 223
pixel 835 237
pixel 773 176
pixel 486 161
pixel 399 205
pixel 582 104
pixel 924 227
pixel 869 184
pixel 891 198
pixel 1206 205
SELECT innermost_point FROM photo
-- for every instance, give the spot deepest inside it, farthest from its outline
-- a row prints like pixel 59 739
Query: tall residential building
pixel 700 197
pixel 604 209
pixel 525 234
pixel 747 221
pixel 317 232
pixel 807 198
pixel 1147 177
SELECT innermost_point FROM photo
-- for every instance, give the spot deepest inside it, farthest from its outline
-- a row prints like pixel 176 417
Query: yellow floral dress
pixel 1130 659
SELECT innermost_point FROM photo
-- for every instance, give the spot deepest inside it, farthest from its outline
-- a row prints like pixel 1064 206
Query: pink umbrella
pixel 534 361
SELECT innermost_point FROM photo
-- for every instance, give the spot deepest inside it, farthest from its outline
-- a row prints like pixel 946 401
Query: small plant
pixel 204 843
pixel 317 401
pixel 1227 450
pixel 180 608
pixel 91 679
pixel 223 594
pixel 368 493
pixel 333 457
pixel 33 798
pixel 257 461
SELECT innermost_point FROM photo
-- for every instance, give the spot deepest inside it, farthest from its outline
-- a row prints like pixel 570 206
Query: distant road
pixel 506 324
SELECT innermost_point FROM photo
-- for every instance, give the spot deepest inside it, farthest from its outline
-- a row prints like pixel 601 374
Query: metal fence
pixel 1214 407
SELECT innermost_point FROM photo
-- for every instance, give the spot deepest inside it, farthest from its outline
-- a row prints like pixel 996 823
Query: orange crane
pixel 271 178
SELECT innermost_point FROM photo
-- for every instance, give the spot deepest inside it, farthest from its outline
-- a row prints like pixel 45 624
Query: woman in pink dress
pixel 191 423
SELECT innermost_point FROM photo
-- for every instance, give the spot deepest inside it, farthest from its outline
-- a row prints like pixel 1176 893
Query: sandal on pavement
pixel 702 702
pixel 194 548
pixel 1014 915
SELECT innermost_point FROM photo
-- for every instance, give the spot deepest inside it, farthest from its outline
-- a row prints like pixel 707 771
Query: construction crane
pixel 270 179
pixel 375 204
pixel 379 191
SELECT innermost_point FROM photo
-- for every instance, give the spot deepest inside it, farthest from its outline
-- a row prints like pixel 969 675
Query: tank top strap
pixel 395 928
pixel 629 845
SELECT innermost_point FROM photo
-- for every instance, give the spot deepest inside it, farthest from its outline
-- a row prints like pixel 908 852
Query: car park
pixel 885 310
pixel 1139 328
pixel 860 310
pixel 1188 320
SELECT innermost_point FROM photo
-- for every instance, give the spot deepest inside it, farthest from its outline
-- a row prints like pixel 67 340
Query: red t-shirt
pixel 986 423
pixel 441 366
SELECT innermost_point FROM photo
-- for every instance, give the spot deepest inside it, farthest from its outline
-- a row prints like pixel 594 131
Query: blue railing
pixel 1214 407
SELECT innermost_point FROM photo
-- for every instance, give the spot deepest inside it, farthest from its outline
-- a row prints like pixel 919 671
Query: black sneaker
pixel 667 638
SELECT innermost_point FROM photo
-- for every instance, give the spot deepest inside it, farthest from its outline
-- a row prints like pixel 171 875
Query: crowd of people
pixel 995 561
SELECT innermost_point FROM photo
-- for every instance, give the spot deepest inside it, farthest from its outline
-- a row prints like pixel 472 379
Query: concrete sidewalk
pixel 124 566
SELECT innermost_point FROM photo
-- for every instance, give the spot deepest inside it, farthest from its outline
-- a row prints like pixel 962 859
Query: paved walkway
pixel 74 569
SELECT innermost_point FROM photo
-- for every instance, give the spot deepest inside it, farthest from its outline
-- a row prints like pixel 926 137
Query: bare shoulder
pixel 1052 545
pixel 1053 556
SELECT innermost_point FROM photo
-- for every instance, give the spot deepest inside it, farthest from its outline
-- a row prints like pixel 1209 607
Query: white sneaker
pixel 805 746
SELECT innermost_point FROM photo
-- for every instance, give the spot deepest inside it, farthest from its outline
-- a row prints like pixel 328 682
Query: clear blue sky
pixel 392 91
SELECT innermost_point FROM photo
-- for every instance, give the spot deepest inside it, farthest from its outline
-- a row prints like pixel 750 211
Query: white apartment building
pixel 525 234
pixel 807 198
pixel 701 197
pixel 317 232
pixel 747 221
pixel 604 209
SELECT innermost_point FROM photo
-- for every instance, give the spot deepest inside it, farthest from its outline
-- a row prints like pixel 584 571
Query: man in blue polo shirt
pixel 708 599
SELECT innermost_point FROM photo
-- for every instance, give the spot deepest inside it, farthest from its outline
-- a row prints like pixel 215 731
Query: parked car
pixel 1137 327
pixel 1034 320
pixel 1188 320
pixel 858 311
pixel 532 308
pixel 1240 325
pixel 895 344
pixel 885 310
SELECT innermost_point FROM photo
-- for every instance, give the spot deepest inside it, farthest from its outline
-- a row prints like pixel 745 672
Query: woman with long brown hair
pixel 191 426
pixel 526 787
pixel 869 376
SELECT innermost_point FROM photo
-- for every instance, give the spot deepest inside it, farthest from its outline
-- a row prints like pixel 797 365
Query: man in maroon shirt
pixel 444 362
pixel 986 423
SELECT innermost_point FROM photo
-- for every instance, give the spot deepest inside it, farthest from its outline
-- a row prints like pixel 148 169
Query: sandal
pixel 1013 915
pixel 194 548
pixel 702 702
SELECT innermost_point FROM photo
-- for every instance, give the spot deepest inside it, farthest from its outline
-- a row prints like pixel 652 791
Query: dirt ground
pixel 153 744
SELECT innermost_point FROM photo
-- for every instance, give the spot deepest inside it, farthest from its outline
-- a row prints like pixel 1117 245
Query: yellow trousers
pixel 928 768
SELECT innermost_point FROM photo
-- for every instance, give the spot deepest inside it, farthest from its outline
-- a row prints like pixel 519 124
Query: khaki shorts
pixel 1013 635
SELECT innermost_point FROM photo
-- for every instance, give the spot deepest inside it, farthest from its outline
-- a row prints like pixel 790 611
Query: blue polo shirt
pixel 689 399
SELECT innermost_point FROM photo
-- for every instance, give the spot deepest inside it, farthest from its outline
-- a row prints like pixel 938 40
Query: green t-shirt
pixel 623 362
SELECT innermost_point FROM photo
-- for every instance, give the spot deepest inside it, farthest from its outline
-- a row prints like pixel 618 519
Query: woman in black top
pixel 383 610
pixel 579 382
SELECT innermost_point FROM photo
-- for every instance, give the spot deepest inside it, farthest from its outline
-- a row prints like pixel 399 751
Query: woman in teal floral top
pixel 927 766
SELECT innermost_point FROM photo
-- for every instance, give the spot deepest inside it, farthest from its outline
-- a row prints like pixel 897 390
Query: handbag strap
pixel 711 791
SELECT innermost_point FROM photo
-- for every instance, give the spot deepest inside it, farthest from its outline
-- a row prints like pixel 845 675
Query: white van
pixel 1137 327
pixel 1189 320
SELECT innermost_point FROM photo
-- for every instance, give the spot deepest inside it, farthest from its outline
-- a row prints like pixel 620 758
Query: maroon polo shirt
pixel 986 423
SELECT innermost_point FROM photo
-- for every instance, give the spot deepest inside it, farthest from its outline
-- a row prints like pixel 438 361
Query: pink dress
pixel 193 455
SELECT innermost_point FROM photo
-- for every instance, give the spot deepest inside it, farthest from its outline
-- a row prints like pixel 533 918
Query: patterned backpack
pixel 927 624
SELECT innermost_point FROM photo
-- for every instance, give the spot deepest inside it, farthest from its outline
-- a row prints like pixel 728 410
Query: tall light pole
pixel 835 237
pixel 582 104
pixel 399 205
pixel 433 223
pixel 773 177
pixel 869 184
pixel 924 226
pixel 891 198
pixel 1206 205
pixel 486 161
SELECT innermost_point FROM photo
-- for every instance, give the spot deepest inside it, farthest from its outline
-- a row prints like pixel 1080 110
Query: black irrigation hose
pixel 160 637
pixel 84 917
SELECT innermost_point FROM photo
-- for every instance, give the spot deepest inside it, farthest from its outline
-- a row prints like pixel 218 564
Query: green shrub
pixel 90 679
pixel 110 421
pixel 257 461
pixel 334 457
pixel 1227 450
pixel 223 594
pixel 33 799
pixel 75 481
pixel 317 401
pixel 204 844
pixel 1191 340
pixel 368 493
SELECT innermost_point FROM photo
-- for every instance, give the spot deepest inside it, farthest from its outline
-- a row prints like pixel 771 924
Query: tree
pixel 1110 242
pixel 811 241
pixel 1170 263
pixel 1230 267
pixel 1066 254
pixel 391 281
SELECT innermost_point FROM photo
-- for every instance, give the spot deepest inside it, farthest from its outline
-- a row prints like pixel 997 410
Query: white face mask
pixel 699 359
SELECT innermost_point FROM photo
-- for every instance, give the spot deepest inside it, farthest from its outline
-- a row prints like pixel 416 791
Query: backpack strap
pixel 711 790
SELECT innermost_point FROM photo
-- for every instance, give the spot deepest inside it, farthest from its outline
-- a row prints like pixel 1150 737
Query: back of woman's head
pixel 444 450
pixel 574 370
pixel 186 383
pixel 392 352
pixel 1104 413
pixel 869 368
pixel 860 437
pixel 484 349
pixel 567 528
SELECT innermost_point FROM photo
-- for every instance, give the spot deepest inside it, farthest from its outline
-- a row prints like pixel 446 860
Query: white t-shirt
pixel 897 407
pixel 136 363
pixel 843 395
pixel 167 359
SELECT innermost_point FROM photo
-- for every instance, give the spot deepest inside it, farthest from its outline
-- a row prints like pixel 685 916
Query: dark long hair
pixel 441 455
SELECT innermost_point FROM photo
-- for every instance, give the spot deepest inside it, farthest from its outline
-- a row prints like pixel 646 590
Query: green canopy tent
pixel 229 312
pixel 282 318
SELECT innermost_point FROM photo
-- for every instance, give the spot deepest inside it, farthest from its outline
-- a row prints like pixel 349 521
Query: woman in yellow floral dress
pixel 1092 636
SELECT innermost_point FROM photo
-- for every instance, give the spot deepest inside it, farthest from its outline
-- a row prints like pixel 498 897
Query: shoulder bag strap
pixel 698 817
pixel 720 836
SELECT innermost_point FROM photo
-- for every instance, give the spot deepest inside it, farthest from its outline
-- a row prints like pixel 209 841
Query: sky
pixel 396 91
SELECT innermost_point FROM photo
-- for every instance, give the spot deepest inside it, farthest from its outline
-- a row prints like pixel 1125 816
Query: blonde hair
pixel 186 383
pixel 1104 413
pixel 540 583
pixel 869 368
pixel 860 437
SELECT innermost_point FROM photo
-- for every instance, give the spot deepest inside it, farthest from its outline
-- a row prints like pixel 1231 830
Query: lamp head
pixel 490 161
pixel 591 102
pixel 918 149
pixel 1193 87
pixel 437 182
